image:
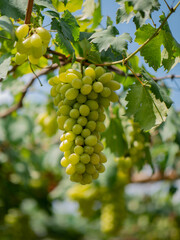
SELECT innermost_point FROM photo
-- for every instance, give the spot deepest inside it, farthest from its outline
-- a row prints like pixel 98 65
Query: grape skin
pixel 82 100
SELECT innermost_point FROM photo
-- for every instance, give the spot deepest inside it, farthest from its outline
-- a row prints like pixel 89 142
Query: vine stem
pixel 28 12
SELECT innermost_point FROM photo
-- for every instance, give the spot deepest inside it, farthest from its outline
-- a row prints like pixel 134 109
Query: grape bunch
pixel 31 44
pixel 81 101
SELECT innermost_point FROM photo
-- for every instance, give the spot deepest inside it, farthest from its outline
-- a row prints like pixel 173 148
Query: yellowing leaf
pixel 72 5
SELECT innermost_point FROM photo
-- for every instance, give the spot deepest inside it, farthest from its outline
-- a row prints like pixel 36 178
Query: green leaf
pixel 52 14
pixel 152 51
pixel 6 24
pixel 71 5
pixel 46 4
pixel 14 8
pixel 147 103
pixel 88 10
pixel 97 17
pixel 171 52
pixel 94 57
pixel 139 10
pixel 107 38
pixel 115 137
pixel 5 62
pixel 109 21
pixel 70 26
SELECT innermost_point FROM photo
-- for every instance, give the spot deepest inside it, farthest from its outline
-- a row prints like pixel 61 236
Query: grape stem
pixel 25 90
pixel 28 12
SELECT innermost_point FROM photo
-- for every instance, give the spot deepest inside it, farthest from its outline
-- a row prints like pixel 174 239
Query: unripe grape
pixel 90 72
pixel 100 167
pixel 103 158
pixel 85 132
pixel 27 43
pixel 77 129
pixel 70 77
pixel 95 175
pixel 113 97
pixel 76 105
pixel 92 104
pixel 61 120
pixel 69 123
pixel 91 125
pixel 70 136
pixel 74 113
pixel 44 34
pixel 85 158
pixel 98 87
pixel 76 83
pixel 89 150
pixel 33 60
pixel 22 31
pixel 36 52
pixel 98 147
pixel 79 140
pixel 104 102
pixel 106 92
pixel 64 88
pixel 82 121
pixel 93 115
pixel 80 168
pixel 81 98
pixel 86 179
pixel 20 58
pixel 64 162
pixel 36 40
pixel 95 159
pixel 67 154
pixel 100 127
pixel 65 109
pixel 99 71
pixel 70 169
pixel 90 169
pixel 87 80
pixel 73 158
pixel 86 89
pixel 65 145
pixel 92 95
pixel 76 177
pixel 71 93
pixel 106 77
pixel 102 117
pixel 78 150
pixel 113 85
pixel 91 140
pixel 53 91
pixel 84 110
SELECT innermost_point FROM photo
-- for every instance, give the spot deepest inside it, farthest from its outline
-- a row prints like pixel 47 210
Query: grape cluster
pixel 31 44
pixel 81 101
pixel 48 123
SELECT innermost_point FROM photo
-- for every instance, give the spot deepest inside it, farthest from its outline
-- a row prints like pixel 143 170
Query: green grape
pixel 100 167
pixel 70 136
pixel 91 125
pixel 100 127
pixel 86 178
pixel 70 169
pixel 98 87
pixel 69 123
pixel 95 175
pixel 80 167
pixel 104 102
pixel 57 99
pixel 77 129
pixel 79 140
pixel 76 83
pixel 106 77
pixel 73 158
pixel 70 77
pixel 113 97
pixel 78 150
pixel 71 93
pixel 92 104
pixel 95 159
pixel 69 102
pixel 89 150
pixel 44 34
pixel 65 109
pixel 82 121
pixel 36 40
pixel 64 162
pixel 74 113
pixel 36 52
pixel 106 92
pixel 90 169
pixel 81 98
pixel 21 48
pixel 67 154
pixel 92 66
pixel 22 31
pixel 113 85
pixel 85 158
pixel 86 89
pixel 76 177
pixel 87 80
pixel 76 105
pixel 84 110
pixel 53 91
pixel 61 120
pixel 65 145
pixel 33 60
pixel 64 88
pixel 85 132
pixel 20 58
pixel 102 117
pixel 98 147
pixel 93 115
pixel 99 71
pixel 91 140
pixel 102 157
pixel 90 72
pixel 92 95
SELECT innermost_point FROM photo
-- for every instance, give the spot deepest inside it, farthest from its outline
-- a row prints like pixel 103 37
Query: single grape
pixel 89 150
pixel 78 150
pixel 85 158
pixel 99 71
pixel 70 136
pixel 91 140
pixel 82 121
pixel 86 89
pixel 71 93
pixel 81 98
pixel 92 104
pixel 77 129
pixel 76 83
pixel 69 123
pixel 93 115
pixel 65 110
pixel 85 132
pixel 79 140
pixel 84 110
pixel 64 162
pixel 70 77
pixel 87 80
pixel 90 169
pixel 74 113
pixel 97 87
pixel 106 77
pixel 91 125
pixel 90 72
pixel 44 34
pixel 73 158
pixel 33 60
pixel 70 169
pixel 36 40
pixel 80 168
pixel 20 58
pixel 113 85
pixel 95 159
pixel 22 31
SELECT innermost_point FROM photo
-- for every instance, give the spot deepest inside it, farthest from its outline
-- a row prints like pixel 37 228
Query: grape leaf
pixel 152 51
pixel 171 52
pixel 6 24
pixel 13 8
pixel 46 4
pixel 88 10
pixel 147 103
pixel 107 38
pixel 97 17
pixel 115 137
pixel 5 62
pixel 139 10
pixel 71 5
